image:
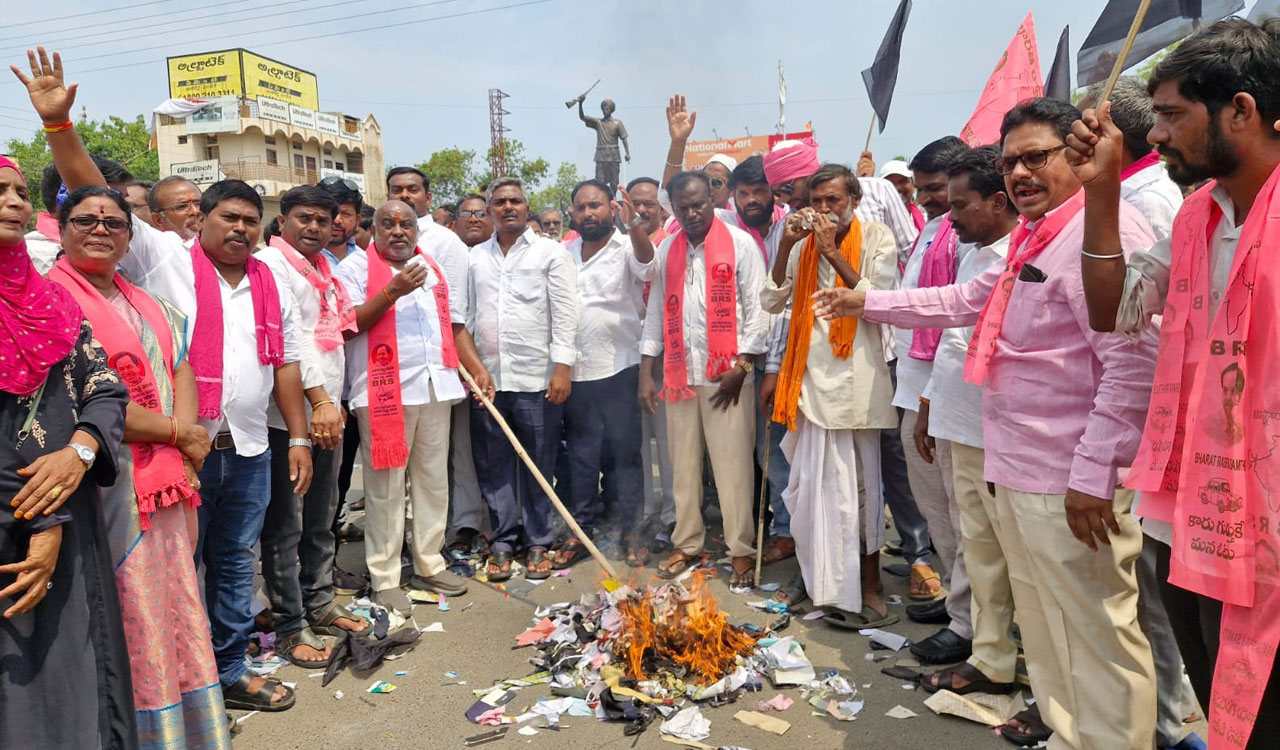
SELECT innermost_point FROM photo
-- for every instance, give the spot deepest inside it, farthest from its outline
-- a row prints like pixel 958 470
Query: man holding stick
pixel 1207 461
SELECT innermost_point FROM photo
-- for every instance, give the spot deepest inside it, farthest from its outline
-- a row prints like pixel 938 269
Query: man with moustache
pixel 601 412
pixel 833 392
pixel 1061 405
pixel 1216 99
pixel 342 237
pixel 473 225
pixel 299 544
pixel 932 262
pixel 403 366
pixel 175 206
pixel 898 172
pixel 524 312
pixel 948 433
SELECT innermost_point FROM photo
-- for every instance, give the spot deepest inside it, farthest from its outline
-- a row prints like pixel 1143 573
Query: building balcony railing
pixel 248 170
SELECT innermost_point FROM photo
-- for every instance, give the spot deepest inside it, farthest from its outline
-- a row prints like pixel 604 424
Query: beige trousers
pixel 944 530
pixel 730 441
pixel 426 429
pixel 994 652
pixel 1089 662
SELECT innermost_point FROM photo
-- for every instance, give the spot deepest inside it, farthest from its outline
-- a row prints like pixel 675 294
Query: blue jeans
pixel 603 416
pixel 234 494
pixel 510 491
pixel 778 472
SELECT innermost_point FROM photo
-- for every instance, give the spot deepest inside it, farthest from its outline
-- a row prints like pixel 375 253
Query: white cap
pixel 896 166
pixel 724 160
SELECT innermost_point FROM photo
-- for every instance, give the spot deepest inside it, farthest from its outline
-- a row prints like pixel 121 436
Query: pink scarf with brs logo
pixel 1210 453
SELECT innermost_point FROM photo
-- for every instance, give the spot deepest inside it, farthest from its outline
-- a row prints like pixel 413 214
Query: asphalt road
pixel 478 644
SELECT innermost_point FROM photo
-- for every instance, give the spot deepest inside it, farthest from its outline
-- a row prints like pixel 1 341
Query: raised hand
pixel 625 209
pixel 679 119
pixel 866 165
pixel 51 99
pixel 1095 148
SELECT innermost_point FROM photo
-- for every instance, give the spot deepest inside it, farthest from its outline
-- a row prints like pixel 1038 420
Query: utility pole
pixel 497 140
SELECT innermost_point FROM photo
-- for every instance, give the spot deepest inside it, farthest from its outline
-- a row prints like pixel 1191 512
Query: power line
pixel 344 32
pixel 83 15
pixel 180 19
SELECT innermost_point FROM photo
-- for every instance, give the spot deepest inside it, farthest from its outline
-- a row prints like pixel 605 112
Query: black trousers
pixel 1196 622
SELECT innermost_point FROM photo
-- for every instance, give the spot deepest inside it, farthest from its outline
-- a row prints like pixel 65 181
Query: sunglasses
pixel 479 214
pixel 787 189
pixel 1032 160
pixel 86 224
pixel 341 180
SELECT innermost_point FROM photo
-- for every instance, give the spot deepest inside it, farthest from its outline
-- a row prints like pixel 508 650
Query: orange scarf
pixel 791 377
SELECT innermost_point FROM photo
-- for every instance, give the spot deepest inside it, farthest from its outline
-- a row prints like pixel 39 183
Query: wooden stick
pixel 871 129
pixel 1124 51
pixel 533 469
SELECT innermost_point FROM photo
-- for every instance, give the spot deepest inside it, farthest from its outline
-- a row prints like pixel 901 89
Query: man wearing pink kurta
pixel 1063 408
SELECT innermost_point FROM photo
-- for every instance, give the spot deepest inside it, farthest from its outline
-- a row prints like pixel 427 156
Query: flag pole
pixel 871 129
pixel 1124 51
pixel 533 469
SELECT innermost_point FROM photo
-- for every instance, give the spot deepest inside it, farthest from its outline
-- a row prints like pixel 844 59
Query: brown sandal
pixel 779 548
pixel 570 553
pixel 926 584
pixel 676 564
pixel 499 566
pixel 743 578
pixel 637 553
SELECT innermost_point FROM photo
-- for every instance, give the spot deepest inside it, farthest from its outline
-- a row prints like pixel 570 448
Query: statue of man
pixel 608 132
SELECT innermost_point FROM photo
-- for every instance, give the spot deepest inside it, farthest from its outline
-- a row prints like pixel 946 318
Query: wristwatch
pixel 84 453
pixel 300 443
pixel 747 365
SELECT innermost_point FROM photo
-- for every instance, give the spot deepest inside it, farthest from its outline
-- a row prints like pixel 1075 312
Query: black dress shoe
pixel 943 647
pixel 933 613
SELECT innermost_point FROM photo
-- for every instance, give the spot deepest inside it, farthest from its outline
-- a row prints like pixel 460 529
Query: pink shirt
pixel 1063 405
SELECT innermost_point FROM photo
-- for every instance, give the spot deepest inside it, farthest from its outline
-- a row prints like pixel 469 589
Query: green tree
pixel 530 171
pixel 115 138
pixel 557 194
pixel 452 174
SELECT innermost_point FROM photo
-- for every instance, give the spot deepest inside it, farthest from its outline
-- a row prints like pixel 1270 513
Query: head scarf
pixel 39 320
pixel 724 160
pixel 789 163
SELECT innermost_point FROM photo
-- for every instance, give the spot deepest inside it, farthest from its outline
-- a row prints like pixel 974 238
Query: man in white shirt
pixel 236 478
pixel 948 434
pixel 833 395
pixel 757 213
pixel 410 315
pixel 298 540
pixel 933 249
pixel 707 369
pixel 524 315
pixel 601 410
pixel 175 207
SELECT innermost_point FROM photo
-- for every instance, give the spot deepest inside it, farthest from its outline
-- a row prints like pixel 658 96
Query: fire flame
pixel 686 628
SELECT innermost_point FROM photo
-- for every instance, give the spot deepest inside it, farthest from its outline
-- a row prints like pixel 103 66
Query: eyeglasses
pixel 86 224
pixel 787 189
pixel 717 183
pixel 1032 160
pixel 341 181
pixel 553 223
pixel 479 214
pixel 185 207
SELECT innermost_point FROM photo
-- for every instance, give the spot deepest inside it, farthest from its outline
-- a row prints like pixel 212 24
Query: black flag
pixel 1058 84
pixel 883 73
pixel 1167 21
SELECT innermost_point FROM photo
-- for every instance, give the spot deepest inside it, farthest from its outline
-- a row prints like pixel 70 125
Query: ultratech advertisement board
pixel 239 72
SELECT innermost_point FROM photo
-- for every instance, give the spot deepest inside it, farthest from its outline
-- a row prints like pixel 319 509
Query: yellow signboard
pixel 239 72
pixel 266 77
pixel 206 75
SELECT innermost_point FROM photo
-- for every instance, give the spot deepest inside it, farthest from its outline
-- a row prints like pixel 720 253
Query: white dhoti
pixel 837 508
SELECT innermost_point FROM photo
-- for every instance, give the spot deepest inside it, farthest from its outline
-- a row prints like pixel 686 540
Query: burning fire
pixel 683 627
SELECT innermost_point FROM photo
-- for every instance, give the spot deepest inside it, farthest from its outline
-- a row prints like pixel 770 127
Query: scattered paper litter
pixel 787 660
pixel 246 717
pixel 763 721
pixel 895 599
pixel 443 606
pixel 381 686
pixel 492 717
pixel 337 694
pixel 536 634
pixel 687 743
pixel 773 586
pixel 900 712
pixel 687 724
pixel 435 627
pixel 984 708
pixel 764 605
pixel 527 731
pixel 885 638
pixel 423 597
pixel 816 614
pixel 740 590
pixel 779 702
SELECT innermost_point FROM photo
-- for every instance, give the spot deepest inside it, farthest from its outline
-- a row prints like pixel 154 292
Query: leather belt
pixel 223 442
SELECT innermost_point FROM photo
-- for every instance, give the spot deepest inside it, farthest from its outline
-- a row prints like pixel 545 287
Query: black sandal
pixel 1036 733
pixel 575 551
pixel 238 697
pixel 286 644
pixel 536 557
pixel 327 624
pixel 976 681
pixel 499 566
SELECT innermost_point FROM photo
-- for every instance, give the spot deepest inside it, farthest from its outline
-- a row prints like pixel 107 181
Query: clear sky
pixel 427 82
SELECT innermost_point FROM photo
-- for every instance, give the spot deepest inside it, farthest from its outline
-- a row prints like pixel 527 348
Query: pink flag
pixel 1016 77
